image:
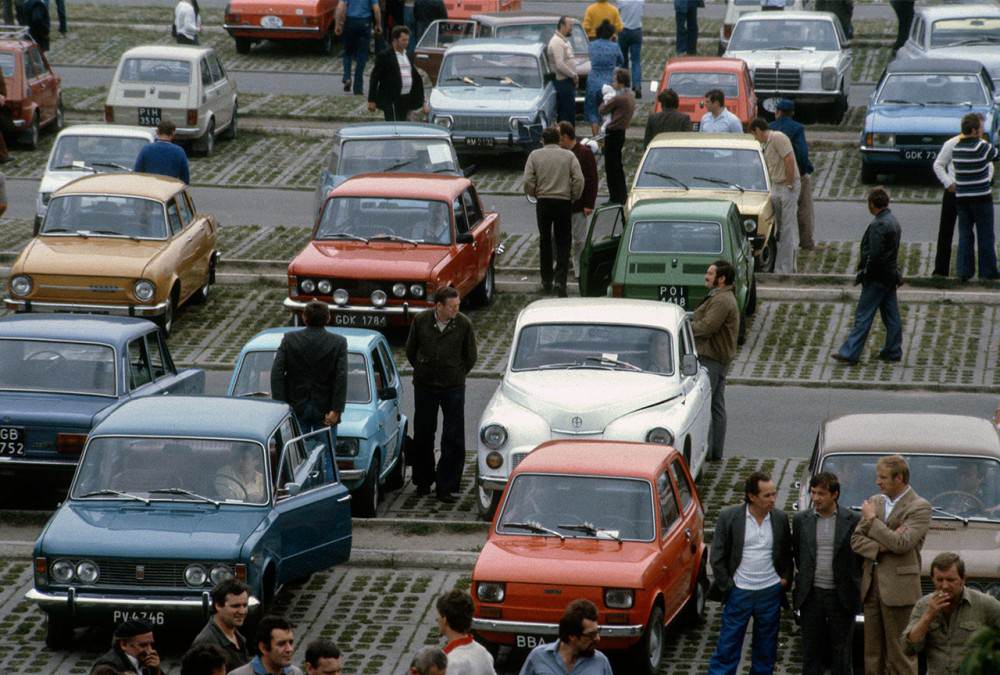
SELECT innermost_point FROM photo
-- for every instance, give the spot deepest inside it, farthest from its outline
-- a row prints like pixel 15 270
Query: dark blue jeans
pixel 565 101
pixel 875 296
pixel 976 213
pixel 765 608
pixel 630 42
pixel 426 402
pixel 357 35
pixel 687 30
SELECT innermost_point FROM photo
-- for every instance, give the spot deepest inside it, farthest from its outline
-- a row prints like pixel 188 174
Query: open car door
pixel 440 35
pixel 599 251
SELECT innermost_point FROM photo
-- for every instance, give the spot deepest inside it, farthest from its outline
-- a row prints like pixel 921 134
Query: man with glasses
pixel 576 649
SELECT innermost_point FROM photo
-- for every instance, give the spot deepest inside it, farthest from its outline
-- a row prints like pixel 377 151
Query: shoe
pixel 546 288
pixel 837 356
pixel 423 490
pixel 889 359
pixel 561 291
pixel 347 86
pixel 638 92
pixel 446 498
pixel 4 160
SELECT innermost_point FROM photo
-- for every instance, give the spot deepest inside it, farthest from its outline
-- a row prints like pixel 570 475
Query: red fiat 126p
pixel 250 21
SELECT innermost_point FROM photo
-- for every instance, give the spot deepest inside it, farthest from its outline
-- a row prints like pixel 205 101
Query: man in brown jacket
pixel 584 206
pixel 716 325
pixel 889 537
pixel 621 108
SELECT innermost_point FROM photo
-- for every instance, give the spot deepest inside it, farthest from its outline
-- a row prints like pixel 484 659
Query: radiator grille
pixel 781 79
pixel 154 573
pixel 921 139
pixel 481 123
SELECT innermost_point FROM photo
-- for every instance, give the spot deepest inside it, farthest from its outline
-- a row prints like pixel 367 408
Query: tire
pixel 482 295
pixel 365 502
pixel 58 632
pixel 243 45
pixel 741 335
pixel 868 174
pixel 765 260
pixel 487 501
pixel 325 46
pixel 30 138
pixel 60 122
pixel 839 109
pixel 166 320
pixel 646 654
pixel 230 132
pixel 206 143
pixel 752 298
pixel 693 613
pixel 397 477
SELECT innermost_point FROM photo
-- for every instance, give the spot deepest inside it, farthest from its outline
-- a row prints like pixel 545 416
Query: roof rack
pixel 8 32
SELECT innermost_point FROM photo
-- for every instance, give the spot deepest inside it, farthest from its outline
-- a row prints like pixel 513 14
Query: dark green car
pixel 663 249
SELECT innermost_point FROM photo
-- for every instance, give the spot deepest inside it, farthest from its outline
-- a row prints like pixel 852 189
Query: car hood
pixel 596 397
pixel 488 100
pixel 353 421
pixel 51 410
pixel 373 261
pixel 787 58
pixel 935 120
pixel 748 203
pixel 978 542
pixel 573 562
pixel 94 256
pixel 53 180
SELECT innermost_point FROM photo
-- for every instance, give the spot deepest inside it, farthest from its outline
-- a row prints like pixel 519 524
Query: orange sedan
pixel 619 524
pixel 250 21
pixel 691 76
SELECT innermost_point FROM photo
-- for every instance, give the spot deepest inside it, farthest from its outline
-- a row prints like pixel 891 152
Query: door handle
pixel 191 238
pixel 314 475
pixel 687 532
pixel 422 57
pixel 345 498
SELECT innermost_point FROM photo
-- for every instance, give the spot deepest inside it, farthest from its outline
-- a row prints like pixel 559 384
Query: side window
pixel 206 72
pixel 138 365
pixel 37 65
pixel 29 70
pixel 682 485
pixel 686 346
pixel 174 217
pixel 157 362
pixel 390 370
pixel 294 455
pixel 461 222
pixel 607 224
pixel 190 204
pixel 668 501
pixel 472 209
pixel 381 376
pixel 217 65
pixel 213 63
pixel 185 209
pixel 430 36
pixel 688 338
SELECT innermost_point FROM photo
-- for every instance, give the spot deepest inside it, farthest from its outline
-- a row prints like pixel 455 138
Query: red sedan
pixel 691 76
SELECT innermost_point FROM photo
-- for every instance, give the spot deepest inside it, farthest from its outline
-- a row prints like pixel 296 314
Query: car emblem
pixel 140 572
pixel 577 422
pixel 926 139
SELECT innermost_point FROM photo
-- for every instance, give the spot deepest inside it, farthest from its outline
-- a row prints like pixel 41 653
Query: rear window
pixel 164 71
pixel 671 236
pixel 696 84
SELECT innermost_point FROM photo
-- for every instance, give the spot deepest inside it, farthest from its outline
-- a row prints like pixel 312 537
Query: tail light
pixel 727 30
pixel 70 444
pixel 109 114
pixel 192 117
pixel 240 572
pixel 617 290
pixel 41 572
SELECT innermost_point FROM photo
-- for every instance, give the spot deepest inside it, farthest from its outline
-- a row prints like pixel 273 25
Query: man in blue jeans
pixel 972 158
pixel 630 39
pixel 751 560
pixel 357 32
pixel 686 13
pixel 878 274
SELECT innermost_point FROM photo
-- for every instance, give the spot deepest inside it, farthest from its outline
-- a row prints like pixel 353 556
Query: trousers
pixel 614 170
pixel 786 207
pixel 975 230
pixel 875 296
pixel 554 227
pixel 717 431
pixel 884 626
pixel 827 628
pixel 765 608
pixel 451 402
pixel 946 233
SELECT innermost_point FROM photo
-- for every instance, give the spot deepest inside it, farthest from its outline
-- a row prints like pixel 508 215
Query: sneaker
pixel 889 359
pixel 837 356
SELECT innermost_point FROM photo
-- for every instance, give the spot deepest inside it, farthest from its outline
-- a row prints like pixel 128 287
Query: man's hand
pixel 331 418
pixel 426 109
pixel 338 30
pixel 868 509
pixel 150 661
pixel 938 602
pixel 371 106
pixel 950 188
pixel 587 212
pixel 3 99
pixel 790 186
pixel 784 583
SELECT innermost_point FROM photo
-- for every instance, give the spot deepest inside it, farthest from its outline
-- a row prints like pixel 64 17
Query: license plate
pixel 528 641
pixel 480 142
pixel 11 441
pixel 920 155
pixel 675 294
pixel 360 320
pixel 149 117
pixel 156 618
pixel 271 21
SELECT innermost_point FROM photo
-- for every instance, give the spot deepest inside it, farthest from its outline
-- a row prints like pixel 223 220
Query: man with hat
pixel 132 650
pixel 796 133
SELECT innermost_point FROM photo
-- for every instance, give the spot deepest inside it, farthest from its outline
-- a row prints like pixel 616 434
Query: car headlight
pixel 660 435
pixel 618 598
pixel 749 225
pixel 324 287
pixel 340 296
pixel 399 290
pixel 144 290
pixel 494 460
pixel 62 571
pixel 21 284
pixel 194 575
pixel 445 121
pixel 514 121
pixel 347 447
pixel 884 140
pixel 491 591
pixel 87 572
pixel 829 78
pixel 46 196
pixel 494 436
pixel 219 574
pixel 417 290
pixel 379 298
pixel 308 286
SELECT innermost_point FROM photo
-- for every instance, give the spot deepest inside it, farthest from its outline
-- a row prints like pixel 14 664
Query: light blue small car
pixel 372 431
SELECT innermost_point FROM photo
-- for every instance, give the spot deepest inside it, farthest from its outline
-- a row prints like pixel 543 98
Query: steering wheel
pixel 50 357
pixel 962 501
pixel 232 481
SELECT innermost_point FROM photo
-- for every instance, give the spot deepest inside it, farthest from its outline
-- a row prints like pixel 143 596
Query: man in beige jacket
pixel 889 538
pixel 560 54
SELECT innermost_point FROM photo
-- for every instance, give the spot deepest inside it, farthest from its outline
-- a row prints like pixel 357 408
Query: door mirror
pixel 689 365
pixel 387 393
pixel 289 489
pixel 470 170
pixel 464 238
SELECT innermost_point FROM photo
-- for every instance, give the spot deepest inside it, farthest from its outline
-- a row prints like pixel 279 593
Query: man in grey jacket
pixel 275 647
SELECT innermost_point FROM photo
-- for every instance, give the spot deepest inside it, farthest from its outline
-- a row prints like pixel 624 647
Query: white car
pixel 804 56
pixel 86 149
pixel 185 84
pixel 737 8
pixel 594 369
pixel 956 32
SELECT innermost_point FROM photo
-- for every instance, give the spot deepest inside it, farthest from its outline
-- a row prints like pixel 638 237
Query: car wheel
pixel 202 295
pixel 30 138
pixel 752 298
pixel 482 295
pixel 838 110
pixel 207 142
pixel 646 654
pixel 243 45
pixel 166 320
pixel 58 632
pixel 230 132
pixel 694 610
pixel 60 115
pixel 326 44
pixel 868 174
pixel 487 501
pixel 765 259
pixel 741 335
pixel 397 477
pixel 366 504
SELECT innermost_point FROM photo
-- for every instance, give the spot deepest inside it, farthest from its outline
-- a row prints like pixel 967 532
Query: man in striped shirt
pixel 973 159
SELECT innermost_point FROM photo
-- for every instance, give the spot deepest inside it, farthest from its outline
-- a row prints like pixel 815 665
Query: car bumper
pixel 913 157
pixel 84 308
pixel 73 602
pixel 548 629
pixel 821 97
pixel 394 314
pixel 67 464
pixel 292 32
pixel 352 474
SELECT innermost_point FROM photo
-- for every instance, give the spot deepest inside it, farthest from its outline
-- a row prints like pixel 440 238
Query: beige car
pixel 712 166
pixel 954 463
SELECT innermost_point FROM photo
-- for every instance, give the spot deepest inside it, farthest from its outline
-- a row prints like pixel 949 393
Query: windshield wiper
pixel 593 531
pixel 54 229
pixel 719 181
pixel 254 394
pixel 116 493
pixel 444 169
pixel 466 80
pixel 552 366
pixel 967 104
pixel 615 362
pixel 392 237
pixel 902 102
pixel 398 165
pixel 794 49
pixel 504 80
pixel 964 521
pixel 984 39
pixel 113 165
pixel 79 166
pixel 667 177
pixel 532 526
pixel 182 491
pixel 345 235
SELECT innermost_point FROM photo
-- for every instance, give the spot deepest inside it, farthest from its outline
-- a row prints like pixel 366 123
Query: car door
pixel 196 241
pixel 672 545
pixel 387 397
pixel 436 39
pixel 691 529
pixel 182 249
pixel 742 257
pixel 224 95
pixel 597 259
pixel 483 231
pixel 463 263
pixel 49 90
pixel 36 89
pixel 697 399
pixel 209 94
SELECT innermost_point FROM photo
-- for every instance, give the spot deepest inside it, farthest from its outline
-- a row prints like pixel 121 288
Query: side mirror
pixel 689 365
pixel 470 170
pixel 290 489
pixel 388 393
pixel 464 238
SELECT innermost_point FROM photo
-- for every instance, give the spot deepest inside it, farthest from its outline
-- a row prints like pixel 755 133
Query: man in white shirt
pixel 395 86
pixel 718 119
pixel 560 54
pixel 945 172
pixel 465 655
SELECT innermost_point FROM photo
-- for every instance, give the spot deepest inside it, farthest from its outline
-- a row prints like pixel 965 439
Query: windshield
pixel 104 215
pixel 784 34
pixel 703 168
pixel 618 504
pixel 103 153
pixel 384 155
pixel 367 217
pixel 161 71
pixel 975 30
pixel 7 63
pixel 62 367
pixel 542 32
pixel 490 69
pixel 254 378
pixel 933 89
pixel 965 486
pixel 696 84
pixel 600 346
pixel 222 470
pixel 674 236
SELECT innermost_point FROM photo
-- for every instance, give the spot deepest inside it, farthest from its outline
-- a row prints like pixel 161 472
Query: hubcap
pixel 655 644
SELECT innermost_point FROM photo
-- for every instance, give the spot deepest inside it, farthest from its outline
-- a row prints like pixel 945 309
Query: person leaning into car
pixel 395 86
pixel 668 120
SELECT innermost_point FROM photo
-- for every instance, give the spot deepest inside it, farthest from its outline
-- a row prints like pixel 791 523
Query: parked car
pixel 619 524
pixel 691 76
pixel 494 95
pixel 34 92
pixel 803 56
pixel 463 9
pixel 712 166
pixel 594 369
pixel 918 105
pixel 385 243
pixel 386 147
pixel 61 375
pixel 185 84
pixel 130 244
pixel 954 464
pixel 737 8
pixel 668 246
pixel 252 21
pixel 86 149
pixel 173 495
pixel 372 431
pixel 956 32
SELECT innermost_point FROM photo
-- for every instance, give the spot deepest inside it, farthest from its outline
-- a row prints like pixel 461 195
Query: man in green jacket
pixel 716 324
pixel 441 348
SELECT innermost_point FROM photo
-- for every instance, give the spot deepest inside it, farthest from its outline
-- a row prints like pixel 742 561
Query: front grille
pixel 490 123
pixel 517 459
pixel 781 79
pixel 922 139
pixel 154 573
pixel 360 288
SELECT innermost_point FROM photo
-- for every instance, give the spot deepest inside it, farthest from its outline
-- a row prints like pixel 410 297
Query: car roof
pixel 499 46
pixel 659 208
pixel 623 311
pixel 198 416
pixel 76 327
pixel 889 433
pixel 597 458
pixel 935 66
pixel 179 52
pixel 129 184
pixel 958 11
pixel 706 63
pixel 688 140
pixel 358 339
pixel 119 130
pixel 787 15
pixel 515 19
pixel 381 129
pixel 402 186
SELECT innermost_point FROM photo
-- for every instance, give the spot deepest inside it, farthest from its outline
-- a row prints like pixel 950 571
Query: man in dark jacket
pixel 36 18
pixel 584 206
pixel 230 598
pixel 669 119
pixel 310 371
pixel 878 274
pixel 132 650
pixel 828 577
pixel 163 156
pixel 441 348
pixel 395 86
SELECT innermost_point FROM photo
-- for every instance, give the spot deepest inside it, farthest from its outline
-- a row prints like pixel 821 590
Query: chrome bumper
pixel 392 310
pixel 264 31
pixel 493 482
pixel 549 629
pixel 71 600
pixel 121 310
pixel 17 461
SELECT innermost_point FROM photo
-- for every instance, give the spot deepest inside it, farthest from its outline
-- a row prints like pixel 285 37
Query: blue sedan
pixel 917 106
pixel 60 375
pixel 372 431
pixel 173 495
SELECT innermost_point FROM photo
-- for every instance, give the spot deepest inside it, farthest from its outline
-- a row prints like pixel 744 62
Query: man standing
pixel 395 85
pixel 552 175
pixel 904 19
pixel 716 326
pixel 426 12
pixel 323 658
pixel 878 274
pixel 943 621
pixel 275 646
pixel 230 599
pixel 973 159
pixel 465 655
pixel 621 108
pixel 597 13
pixel 560 54
pixel 668 120
pixel 36 18
pixel 717 118
pixel 944 169
pixel 584 206
pixel 844 9
pixel 576 649
pixel 828 577
pixel 163 156
pixel 204 659
pixel 784 172
pixel 686 14
pixel 441 348
pixel 356 27
pixel 132 650
pixel 796 133
pixel 310 371
pixel 630 40
pixel 889 537
pixel 752 566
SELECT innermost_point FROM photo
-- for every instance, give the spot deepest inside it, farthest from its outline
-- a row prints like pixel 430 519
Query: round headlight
pixel 340 296
pixel 62 571
pixel 494 436
pixel 399 290
pixel 749 225
pixel 21 284
pixel 195 575
pixel 87 572
pixel 379 298
pixel 660 435
pixel 494 460
pixel 220 573
pixel 443 121
pixel 308 286
pixel 324 287
pixel 417 290
pixel 144 290
pixel 491 591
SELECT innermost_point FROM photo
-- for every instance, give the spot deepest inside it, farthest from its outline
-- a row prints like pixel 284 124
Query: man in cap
pixel 796 133
pixel 132 650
